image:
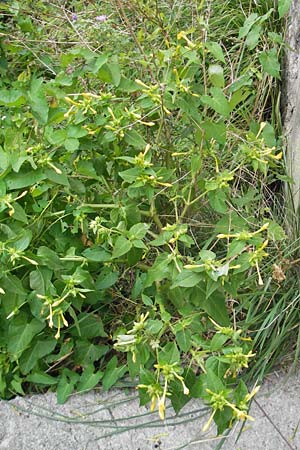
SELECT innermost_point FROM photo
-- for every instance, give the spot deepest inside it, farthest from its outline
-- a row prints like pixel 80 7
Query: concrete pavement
pixel 114 421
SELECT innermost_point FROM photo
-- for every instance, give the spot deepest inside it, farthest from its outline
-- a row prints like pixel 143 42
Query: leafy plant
pixel 134 227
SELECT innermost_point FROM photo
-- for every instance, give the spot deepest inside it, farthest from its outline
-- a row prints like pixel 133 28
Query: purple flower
pixel 74 17
pixel 101 18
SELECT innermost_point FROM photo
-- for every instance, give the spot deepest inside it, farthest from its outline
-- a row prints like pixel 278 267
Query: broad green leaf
pixel 97 63
pixel 87 168
pixel 244 80
pixel 217 200
pixel 270 63
pixel 19 213
pixel 76 131
pixel 139 230
pixel 253 36
pixel 96 254
pixel 235 248
pixel 115 72
pixel 112 373
pixel 154 326
pixel 275 231
pixel 283 7
pixel 21 180
pixel 169 354
pixel 207 255
pixel 11 97
pixel 89 379
pixel 49 258
pixel 213 130
pixel 216 50
pixel 183 339
pixel 23 242
pixel 66 385
pixel 37 100
pixel 37 350
pixel 187 278
pixel 21 332
pixel 218 341
pixel 159 270
pixel 106 280
pixel 40 280
pixel 90 326
pixel 135 139
pixel 215 306
pixel 121 247
pixel 216 75
pixel 41 378
pixel 71 144
pixel 249 22
pixel 178 398
pixel 217 101
pixel 58 178
pixel 86 352
pixel 4 161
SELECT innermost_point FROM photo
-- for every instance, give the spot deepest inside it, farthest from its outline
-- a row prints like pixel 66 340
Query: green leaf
pixel 135 139
pixel 216 50
pixel 112 373
pixel 154 325
pixel 249 22
pixel 21 180
pixel 90 326
pixel 37 100
pixel 178 398
pixel 86 352
pixel 76 131
pixel 115 72
pixel 169 354
pixel 218 342
pixel 215 306
pixel 187 278
pixel 41 378
pixel 283 7
pixel 216 75
pixel 40 280
pixel 11 97
pixel 21 332
pixel 183 339
pixel 217 200
pixel 89 379
pixel 121 247
pixel 23 242
pixel 253 37
pixel 96 254
pixel 71 144
pixel 49 258
pixel 275 231
pixel 138 231
pixel 58 178
pixel 159 270
pixel 19 213
pixel 270 63
pixel 217 101
pixel 106 280
pixel 98 62
pixel 37 350
pixel 213 130
pixel 66 385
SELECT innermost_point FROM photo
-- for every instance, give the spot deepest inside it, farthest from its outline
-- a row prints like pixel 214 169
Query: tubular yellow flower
pixel 208 423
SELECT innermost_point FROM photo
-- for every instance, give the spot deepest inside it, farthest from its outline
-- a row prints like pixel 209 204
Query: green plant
pixel 134 230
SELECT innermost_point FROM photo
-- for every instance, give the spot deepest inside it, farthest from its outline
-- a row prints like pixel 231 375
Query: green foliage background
pixel 140 146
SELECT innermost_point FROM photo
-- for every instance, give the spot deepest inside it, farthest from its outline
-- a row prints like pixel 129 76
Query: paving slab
pixel 114 421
